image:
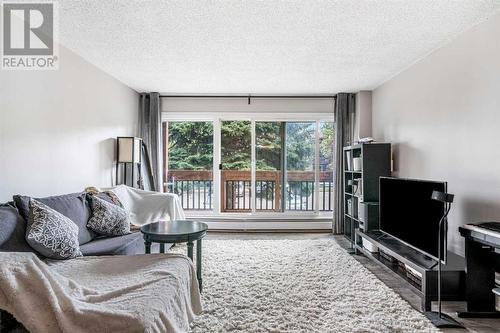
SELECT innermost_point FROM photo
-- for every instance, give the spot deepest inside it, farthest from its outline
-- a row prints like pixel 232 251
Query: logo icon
pixel 29 31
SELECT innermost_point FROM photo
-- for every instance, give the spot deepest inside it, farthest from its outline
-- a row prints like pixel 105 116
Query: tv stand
pixel 415 268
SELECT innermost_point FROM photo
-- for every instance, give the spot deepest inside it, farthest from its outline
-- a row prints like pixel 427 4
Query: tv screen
pixel 408 213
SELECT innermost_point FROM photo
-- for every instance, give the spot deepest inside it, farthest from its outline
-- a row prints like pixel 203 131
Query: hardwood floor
pixel 384 274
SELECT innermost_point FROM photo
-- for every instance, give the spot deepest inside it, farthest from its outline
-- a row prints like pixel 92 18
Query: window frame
pixel 216 118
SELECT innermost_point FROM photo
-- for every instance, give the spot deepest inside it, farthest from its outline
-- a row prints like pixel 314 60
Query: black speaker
pixel 368 216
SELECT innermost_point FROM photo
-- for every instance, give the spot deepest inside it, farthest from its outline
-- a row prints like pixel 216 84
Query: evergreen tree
pixel 190 145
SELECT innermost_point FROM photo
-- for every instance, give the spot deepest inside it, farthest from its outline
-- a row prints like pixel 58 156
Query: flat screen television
pixel 408 213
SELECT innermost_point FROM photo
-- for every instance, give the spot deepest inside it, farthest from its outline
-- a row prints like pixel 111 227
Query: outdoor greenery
pixel 268 146
pixel 190 145
pixel 327 137
pixel 236 145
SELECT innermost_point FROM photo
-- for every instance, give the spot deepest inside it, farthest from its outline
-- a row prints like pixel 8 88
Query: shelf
pixel 453 273
pixel 401 251
pixel 361 144
pixel 369 202
pixel 359 197
pixel 351 217
pixel 354 147
pixel 375 162
pixel 392 266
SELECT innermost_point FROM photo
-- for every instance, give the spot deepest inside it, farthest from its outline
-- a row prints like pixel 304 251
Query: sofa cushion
pixel 74 206
pixel 122 245
pixel 50 233
pixel 108 219
pixel 12 230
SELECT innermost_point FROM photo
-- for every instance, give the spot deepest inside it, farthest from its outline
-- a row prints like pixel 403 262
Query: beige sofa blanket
pixel 142 293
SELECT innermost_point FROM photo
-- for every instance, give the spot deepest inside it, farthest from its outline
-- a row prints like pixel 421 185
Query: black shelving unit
pixel 361 185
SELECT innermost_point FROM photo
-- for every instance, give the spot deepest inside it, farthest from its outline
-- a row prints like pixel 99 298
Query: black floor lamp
pixel 438 318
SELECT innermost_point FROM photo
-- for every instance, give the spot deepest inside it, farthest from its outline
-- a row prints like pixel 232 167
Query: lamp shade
pixel 129 149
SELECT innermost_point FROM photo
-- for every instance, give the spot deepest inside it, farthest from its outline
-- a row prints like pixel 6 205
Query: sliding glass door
pixel 268 165
pixel 188 158
pixel 235 166
pixel 300 146
pixel 262 167
pixel 326 166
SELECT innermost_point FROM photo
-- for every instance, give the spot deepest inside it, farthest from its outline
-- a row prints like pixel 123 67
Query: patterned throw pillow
pixel 108 219
pixel 50 233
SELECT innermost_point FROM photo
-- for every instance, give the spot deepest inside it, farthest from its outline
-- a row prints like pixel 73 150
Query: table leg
pixel 147 246
pixel 198 264
pixel 190 249
pixel 162 248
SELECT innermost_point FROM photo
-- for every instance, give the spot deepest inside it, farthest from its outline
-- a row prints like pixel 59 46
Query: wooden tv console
pixel 422 272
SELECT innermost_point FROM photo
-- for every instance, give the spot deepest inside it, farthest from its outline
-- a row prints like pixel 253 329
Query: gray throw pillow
pixel 108 219
pixel 50 233
pixel 74 206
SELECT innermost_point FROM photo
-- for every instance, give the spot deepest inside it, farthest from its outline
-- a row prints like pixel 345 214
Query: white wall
pixel 363 115
pixel 443 116
pixel 57 128
pixel 240 105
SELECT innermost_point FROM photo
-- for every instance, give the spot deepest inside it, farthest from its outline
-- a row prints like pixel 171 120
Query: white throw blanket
pixel 143 293
pixel 146 207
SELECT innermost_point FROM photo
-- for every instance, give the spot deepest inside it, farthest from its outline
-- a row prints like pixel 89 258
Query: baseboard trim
pixel 280 231
pixel 266 226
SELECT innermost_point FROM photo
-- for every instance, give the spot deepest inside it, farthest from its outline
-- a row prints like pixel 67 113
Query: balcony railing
pixel 195 189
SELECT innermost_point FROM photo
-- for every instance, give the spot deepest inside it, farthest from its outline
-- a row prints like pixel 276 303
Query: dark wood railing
pixel 195 189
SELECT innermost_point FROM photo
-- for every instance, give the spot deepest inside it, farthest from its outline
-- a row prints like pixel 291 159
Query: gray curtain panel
pixel 150 132
pixel 344 121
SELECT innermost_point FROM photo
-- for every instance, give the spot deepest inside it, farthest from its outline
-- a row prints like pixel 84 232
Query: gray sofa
pixel 13 217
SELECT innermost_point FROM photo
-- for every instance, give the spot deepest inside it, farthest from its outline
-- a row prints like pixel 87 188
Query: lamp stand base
pixel 443 320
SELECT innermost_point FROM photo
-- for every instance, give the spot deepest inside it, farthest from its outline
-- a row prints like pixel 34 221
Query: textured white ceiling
pixel 262 46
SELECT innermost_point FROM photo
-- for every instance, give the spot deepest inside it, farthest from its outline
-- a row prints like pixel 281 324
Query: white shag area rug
pixel 296 286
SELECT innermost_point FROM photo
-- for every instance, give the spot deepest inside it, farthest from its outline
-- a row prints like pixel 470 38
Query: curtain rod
pixel 249 96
